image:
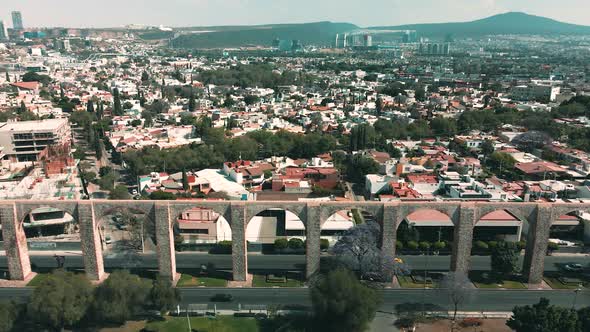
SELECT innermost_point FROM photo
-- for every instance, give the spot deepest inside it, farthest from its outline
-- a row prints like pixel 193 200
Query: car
pixel 108 240
pixel 222 298
pixel 573 267
pixel 134 192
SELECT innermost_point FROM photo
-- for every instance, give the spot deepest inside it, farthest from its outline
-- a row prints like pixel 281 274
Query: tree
pixel 357 248
pixel 531 140
pixel 119 192
pixel 164 297
pixel 145 77
pixel 584 319
pixel 487 147
pixel 120 297
pixel 379 106
pixel 443 127
pixel 341 303
pixel 191 102
pixel 162 196
pixel 8 316
pixel 543 317
pixel 117 108
pixel 504 260
pixel 251 99
pixel 185 185
pixel 22 108
pixel 61 300
pixel 90 106
pixel 458 287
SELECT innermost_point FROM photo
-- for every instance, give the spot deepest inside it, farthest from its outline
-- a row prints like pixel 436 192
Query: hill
pixel 319 33
pixel 508 23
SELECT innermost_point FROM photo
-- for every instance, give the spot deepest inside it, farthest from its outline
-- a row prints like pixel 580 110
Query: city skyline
pixel 180 13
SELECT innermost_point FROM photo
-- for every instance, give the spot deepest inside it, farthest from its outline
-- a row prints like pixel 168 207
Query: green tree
pixel 90 106
pixel 163 295
pixel 185 185
pixel 443 127
pixel 8 316
pixel 251 99
pixel 120 298
pixel 61 300
pixel 487 147
pixel 145 77
pixel 117 108
pixel 191 102
pixel 543 317
pixel 119 192
pixel 501 164
pixel 162 196
pixel 504 260
pixel 341 303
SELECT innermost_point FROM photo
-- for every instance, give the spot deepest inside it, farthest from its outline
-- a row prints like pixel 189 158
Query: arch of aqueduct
pixel 463 214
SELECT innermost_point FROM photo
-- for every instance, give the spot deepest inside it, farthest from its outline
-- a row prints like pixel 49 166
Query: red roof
pixel 499 215
pixel 26 85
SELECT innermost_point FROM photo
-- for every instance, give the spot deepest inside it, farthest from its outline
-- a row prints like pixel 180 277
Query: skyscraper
pixel 17 21
pixel 3 35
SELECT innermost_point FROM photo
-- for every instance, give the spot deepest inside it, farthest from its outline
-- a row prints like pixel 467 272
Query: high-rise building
pixel 3 34
pixel 17 21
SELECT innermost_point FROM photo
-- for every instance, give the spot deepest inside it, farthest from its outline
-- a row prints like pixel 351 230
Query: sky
pixel 116 13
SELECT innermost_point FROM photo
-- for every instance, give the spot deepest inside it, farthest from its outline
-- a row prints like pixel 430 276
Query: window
pixel 195 231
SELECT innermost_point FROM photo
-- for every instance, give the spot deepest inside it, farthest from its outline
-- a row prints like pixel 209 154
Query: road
pixel 479 300
pixel 279 262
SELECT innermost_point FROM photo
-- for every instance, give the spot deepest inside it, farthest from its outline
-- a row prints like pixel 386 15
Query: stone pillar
pixel 239 247
pixel 389 229
pixel 165 241
pixel 463 238
pixel 388 238
pixel 313 233
pixel 536 247
pixel 91 239
pixel 15 243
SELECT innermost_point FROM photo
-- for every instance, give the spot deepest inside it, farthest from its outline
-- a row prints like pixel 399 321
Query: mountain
pixel 508 23
pixel 319 33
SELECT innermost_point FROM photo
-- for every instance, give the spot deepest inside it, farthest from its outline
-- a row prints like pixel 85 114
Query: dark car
pixel 222 298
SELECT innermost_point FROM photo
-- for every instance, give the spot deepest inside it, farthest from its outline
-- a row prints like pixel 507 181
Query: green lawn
pixel 408 282
pixel 205 324
pixel 553 282
pixel 259 280
pixel 38 279
pixel 480 281
pixel 188 280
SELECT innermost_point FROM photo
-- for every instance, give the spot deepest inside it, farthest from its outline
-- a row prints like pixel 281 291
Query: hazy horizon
pixel 179 13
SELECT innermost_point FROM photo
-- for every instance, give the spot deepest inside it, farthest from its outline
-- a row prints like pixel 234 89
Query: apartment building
pixel 25 140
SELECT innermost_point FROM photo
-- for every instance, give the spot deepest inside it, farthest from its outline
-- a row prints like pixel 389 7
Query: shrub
pixel 399 245
pixel 471 322
pixel 222 247
pixel 425 245
pixel 281 244
pixel 481 245
pixel 324 244
pixel 412 245
pixel 492 244
pixel 440 245
pixel 521 244
pixel 296 243
pixel 552 246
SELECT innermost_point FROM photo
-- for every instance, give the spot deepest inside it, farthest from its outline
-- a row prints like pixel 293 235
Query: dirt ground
pixel 489 325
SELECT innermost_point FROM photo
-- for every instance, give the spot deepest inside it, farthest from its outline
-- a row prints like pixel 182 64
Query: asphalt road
pixel 279 262
pixel 479 300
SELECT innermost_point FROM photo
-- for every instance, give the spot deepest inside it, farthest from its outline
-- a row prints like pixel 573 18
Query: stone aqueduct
pixel 464 215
